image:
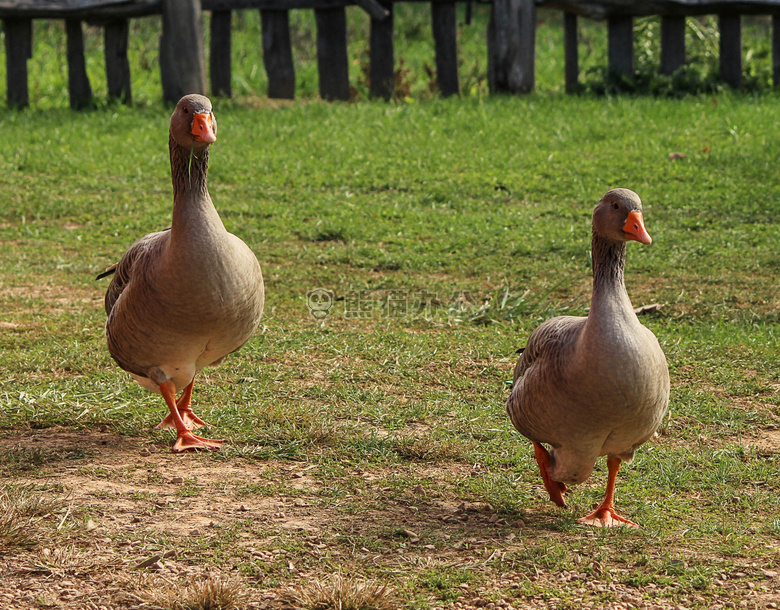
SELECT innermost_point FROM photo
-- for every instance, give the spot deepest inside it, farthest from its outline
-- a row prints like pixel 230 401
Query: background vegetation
pixel 414 56
pixel 460 224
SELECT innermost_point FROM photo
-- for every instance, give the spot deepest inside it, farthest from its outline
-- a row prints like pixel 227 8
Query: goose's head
pixel 618 217
pixel 193 123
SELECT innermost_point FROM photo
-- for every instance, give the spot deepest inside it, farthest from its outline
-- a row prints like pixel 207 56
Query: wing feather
pixel 123 270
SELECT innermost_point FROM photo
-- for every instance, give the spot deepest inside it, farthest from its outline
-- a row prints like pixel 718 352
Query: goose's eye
pixel 615 205
pixel 186 110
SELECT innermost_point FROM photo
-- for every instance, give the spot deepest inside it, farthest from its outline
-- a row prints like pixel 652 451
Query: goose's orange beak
pixel 203 128
pixel 635 228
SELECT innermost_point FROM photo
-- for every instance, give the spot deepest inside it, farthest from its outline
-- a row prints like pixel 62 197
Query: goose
pixel 597 385
pixel 183 298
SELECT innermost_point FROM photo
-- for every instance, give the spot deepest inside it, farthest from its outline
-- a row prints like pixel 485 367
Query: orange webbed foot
pixel 187 416
pixel 182 418
pixel 554 488
pixel 192 420
pixel 187 440
pixel 605 516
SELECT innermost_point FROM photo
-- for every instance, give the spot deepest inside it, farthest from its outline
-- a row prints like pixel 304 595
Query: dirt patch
pixel 135 520
pixel 767 441
pixel 58 298
pixel 128 505
pixel 54 292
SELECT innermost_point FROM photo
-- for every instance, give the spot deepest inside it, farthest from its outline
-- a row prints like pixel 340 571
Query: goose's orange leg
pixel 605 515
pixel 184 406
pixel 184 438
pixel 554 488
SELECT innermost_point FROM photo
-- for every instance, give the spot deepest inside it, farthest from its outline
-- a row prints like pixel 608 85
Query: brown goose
pixel 597 385
pixel 184 298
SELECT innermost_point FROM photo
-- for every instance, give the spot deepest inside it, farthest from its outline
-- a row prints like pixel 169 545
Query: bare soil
pixel 135 521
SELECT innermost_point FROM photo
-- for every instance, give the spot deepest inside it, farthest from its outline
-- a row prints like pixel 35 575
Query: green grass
pixel 487 195
pixel 459 225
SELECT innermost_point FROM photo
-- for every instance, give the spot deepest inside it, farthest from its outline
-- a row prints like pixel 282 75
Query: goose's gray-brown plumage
pixel 184 298
pixel 597 385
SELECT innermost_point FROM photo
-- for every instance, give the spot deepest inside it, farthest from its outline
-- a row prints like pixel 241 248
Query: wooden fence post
pixel 115 35
pixel 382 60
pixel 182 64
pixel 731 49
pixel 571 58
pixel 18 49
pixel 776 50
pixel 277 53
pixel 620 46
pixel 511 46
pixel 527 50
pixel 445 38
pixel 672 44
pixel 332 61
pixel 79 90
pixel 219 58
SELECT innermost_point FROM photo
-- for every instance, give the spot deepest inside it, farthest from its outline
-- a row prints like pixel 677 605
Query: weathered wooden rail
pixel 510 42
pixel 184 72
pixel 619 15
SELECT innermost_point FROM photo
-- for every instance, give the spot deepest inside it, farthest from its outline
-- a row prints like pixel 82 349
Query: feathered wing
pixel 548 341
pixel 540 366
pixel 123 270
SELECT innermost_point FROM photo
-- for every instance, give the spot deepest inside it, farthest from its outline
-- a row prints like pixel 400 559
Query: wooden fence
pixel 620 48
pixel 510 42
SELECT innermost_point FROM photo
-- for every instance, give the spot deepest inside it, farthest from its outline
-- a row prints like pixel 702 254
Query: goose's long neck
pixel 193 209
pixel 610 299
